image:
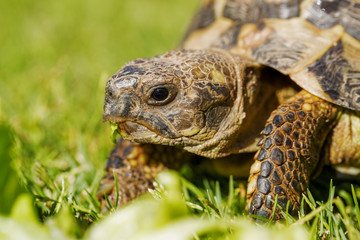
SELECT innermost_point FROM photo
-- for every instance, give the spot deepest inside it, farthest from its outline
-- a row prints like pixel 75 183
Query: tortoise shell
pixel 315 42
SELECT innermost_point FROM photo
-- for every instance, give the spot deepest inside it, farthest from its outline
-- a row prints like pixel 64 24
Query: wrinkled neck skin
pixel 212 104
pixel 258 93
pixel 222 143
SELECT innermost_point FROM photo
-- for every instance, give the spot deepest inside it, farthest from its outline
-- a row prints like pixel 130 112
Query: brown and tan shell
pixel 315 42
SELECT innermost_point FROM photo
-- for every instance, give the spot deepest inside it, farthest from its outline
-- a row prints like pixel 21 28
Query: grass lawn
pixel 55 58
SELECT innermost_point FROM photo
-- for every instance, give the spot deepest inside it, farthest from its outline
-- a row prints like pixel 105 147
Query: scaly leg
pixel 289 153
pixel 135 166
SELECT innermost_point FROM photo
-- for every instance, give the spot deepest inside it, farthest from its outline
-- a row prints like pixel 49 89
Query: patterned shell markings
pixel 315 42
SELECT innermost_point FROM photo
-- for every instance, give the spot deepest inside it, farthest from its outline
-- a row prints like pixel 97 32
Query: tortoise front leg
pixel 135 166
pixel 289 153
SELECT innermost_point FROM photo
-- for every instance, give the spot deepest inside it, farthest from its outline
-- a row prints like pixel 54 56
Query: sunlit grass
pixel 55 58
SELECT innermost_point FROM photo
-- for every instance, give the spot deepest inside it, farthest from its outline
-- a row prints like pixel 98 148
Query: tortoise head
pixel 187 98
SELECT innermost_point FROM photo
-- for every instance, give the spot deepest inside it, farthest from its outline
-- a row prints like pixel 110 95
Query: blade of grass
pixel 195 190
pixel 117 189
pixel 331 195
pixel 287 213
pixel 259 218
pixel 353 233
pixel 231 191
pixel 302 207
pixel 357 210
pixel 274 208
pixel 218 199
pixel 93 202
pixel 109 205
pixel 313 230
pixel 310 200
pixel 311 215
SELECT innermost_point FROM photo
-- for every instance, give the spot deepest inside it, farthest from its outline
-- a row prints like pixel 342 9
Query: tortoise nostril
pixel 120 106
pixel 109 94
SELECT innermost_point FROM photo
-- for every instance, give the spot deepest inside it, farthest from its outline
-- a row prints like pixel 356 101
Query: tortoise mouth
pixel 133 130
pixel 141 133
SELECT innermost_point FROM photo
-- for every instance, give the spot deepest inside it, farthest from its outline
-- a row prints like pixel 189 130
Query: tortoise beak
pixel 121 108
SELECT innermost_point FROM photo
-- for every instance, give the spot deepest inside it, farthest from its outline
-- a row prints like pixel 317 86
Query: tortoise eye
pixel 162 95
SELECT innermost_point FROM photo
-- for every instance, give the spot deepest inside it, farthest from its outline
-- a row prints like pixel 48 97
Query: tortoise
pixel 276 80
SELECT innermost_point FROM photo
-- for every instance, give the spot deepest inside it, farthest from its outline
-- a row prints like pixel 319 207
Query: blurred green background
pixel 55 58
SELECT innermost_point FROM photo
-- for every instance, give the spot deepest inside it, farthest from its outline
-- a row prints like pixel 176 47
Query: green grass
pixel 55 58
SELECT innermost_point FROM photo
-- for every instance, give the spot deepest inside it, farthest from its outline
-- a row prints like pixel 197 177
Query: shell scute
pixel 315 42
pixel 327 13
